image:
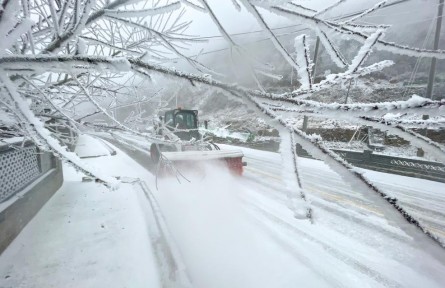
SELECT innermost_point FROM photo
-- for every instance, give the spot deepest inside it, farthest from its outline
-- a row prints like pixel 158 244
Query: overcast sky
pixel 415 13
pixel 235 21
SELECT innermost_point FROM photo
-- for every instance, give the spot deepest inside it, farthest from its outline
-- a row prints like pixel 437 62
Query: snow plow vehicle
pixel 181 126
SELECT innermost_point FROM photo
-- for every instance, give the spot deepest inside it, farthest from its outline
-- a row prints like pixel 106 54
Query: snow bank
pixel 85 236
pixel 88 146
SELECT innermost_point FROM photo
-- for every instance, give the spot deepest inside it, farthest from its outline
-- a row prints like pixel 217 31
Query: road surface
pixel 222 223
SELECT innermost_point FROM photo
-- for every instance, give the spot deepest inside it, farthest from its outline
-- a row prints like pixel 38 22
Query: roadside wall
pixel 28 179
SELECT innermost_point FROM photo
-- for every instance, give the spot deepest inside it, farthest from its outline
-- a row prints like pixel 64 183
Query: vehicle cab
pixel 183 123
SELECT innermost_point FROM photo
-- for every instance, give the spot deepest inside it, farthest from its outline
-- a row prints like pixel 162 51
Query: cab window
pixel 185 121
pixel 169 119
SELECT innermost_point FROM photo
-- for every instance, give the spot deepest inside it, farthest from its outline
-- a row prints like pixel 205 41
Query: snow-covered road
pixel 240 232
pixel 423 199
pixel 350 244
pixel 350 233
pixel 228 231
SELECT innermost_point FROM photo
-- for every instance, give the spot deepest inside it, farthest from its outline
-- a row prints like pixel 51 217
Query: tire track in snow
pixel 330 188
pixel 344 258
pixel 328 206
pixel 334 210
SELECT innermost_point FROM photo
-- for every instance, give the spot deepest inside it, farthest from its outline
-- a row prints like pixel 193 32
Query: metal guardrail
pixel 429 170
pixel 21 164
pixel 397 165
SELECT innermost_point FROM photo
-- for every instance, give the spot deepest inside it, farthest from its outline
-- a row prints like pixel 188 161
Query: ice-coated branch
pixel 54 105
pixel 144 12
pixel 348 172
pixel 333 79
pixel 303 57
pixel 99 42
pixel 167 43
pixel 333 52
pixel 120 106
pixel 21 27
pixel 114 120
pixel 253 10
pixel 139 64
pixel 414 102
pixel 233 45
pixel 302 7
pixel 62 63
pixel 366 12
pixel 323 11
pixel 81 20
pixel 11 25
pixel 42 136
pixel 322 30
pixel 268 3
pixel 193 5
pixel 365 51
pixel 54 17
pixel 236 5
pixel 324 25
pixel 218 23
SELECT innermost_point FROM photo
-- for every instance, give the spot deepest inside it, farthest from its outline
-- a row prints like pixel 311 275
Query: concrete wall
pixel 18 210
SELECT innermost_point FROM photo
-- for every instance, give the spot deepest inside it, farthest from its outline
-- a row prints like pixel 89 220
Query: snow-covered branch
pixel 364 13
pixel 324 25
pixel 36 130
pixel 62 63
pixel 144 12
pixel 273 38
pixel 303 57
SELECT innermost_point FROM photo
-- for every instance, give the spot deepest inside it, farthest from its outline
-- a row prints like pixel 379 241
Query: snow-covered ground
pixel 229 231
pixel 85 235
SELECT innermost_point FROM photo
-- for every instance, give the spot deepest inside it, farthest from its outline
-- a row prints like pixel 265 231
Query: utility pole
pixel 430 87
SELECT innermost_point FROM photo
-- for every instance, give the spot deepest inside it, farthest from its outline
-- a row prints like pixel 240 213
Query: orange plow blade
pixel 232 159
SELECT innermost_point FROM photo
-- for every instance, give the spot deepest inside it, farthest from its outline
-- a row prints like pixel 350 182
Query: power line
pixel 352 14
pixel 278 28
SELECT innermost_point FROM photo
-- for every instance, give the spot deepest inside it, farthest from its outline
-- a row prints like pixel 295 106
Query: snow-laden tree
pixel 69 60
